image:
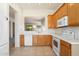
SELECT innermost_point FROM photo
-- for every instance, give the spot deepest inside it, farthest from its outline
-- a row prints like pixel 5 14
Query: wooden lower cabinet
pixel 34 39
pixel 42 40
pixel 65 48
pixel 21 40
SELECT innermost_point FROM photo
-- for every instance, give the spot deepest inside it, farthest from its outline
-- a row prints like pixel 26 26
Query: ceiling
pixel 47 6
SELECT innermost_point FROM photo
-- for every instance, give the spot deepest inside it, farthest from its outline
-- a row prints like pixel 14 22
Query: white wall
pixel 18 25
pixel 4 9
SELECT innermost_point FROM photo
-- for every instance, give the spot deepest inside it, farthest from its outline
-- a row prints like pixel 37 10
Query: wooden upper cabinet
pixel 73 14
pixel 68 9
pixel 77 13
pixel 52 19
pixel 62 11
pixel 52 22
pixel 49 21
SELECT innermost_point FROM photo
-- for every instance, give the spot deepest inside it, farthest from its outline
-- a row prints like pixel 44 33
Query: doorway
pixel 13 34
pixel 11 28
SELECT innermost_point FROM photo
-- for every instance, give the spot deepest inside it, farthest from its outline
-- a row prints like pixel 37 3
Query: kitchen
pixel 66 33
pixel 49 24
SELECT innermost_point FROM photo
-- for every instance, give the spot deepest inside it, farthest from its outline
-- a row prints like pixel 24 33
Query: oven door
pixel 56 46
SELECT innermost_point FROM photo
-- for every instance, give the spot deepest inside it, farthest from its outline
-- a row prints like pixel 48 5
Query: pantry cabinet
pixel 65 48
pixel 42 40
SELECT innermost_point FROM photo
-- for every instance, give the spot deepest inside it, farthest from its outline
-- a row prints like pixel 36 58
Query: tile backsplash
pixel 51 31
pixel 69 31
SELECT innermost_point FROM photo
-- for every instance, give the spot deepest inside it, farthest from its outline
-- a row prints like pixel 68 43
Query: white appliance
pixel 62 22
pixel 4 36
pixel 56 46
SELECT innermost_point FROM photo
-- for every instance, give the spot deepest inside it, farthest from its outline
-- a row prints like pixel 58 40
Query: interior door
pixel 4 37
pixel 3 29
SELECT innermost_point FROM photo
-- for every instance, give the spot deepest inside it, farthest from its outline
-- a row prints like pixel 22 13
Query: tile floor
pixel 32 51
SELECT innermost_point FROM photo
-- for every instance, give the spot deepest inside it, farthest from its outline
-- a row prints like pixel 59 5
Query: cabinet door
pixel 73 12
pixel 62 11
pixel 65 48
pixel 62 50
pixel 54 21
pixel 35 38
pixel 77 13
pixel 45 40
pixel 49 21
pixel 68 51
pixel 22 40
pixel 49 40
pixel 41 40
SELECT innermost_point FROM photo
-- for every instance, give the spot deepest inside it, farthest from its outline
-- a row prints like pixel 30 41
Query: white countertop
pixel 74 43
pixel 62 37
pixel 71 41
